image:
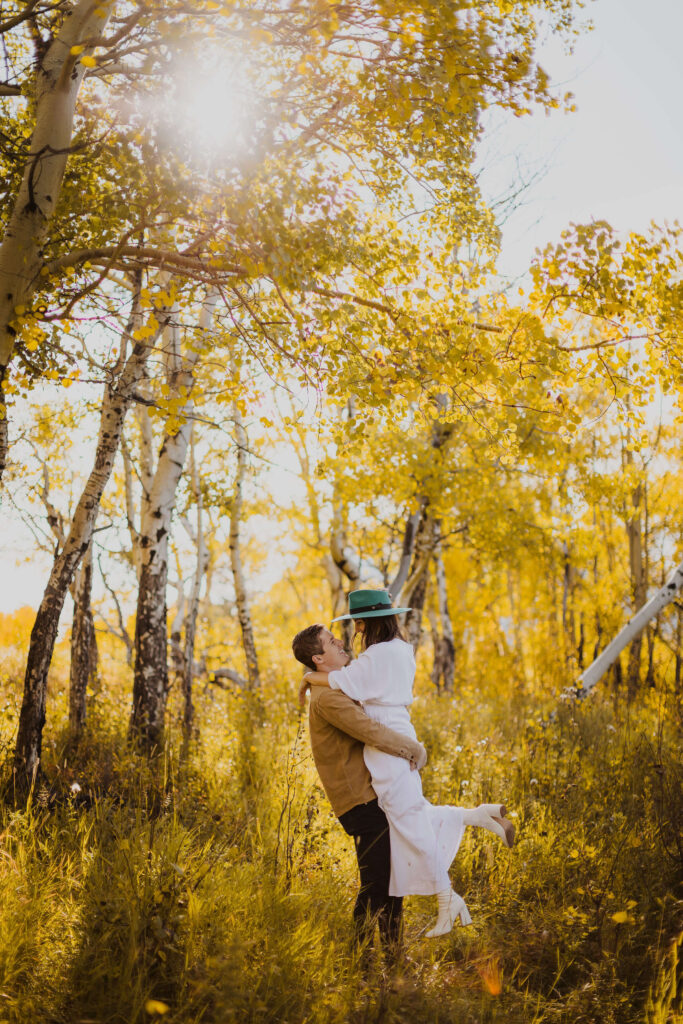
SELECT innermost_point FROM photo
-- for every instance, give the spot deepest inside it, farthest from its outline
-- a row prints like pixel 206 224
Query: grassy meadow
pixel 213 884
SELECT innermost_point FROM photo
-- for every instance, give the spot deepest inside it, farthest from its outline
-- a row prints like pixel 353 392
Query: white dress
pixel 424 837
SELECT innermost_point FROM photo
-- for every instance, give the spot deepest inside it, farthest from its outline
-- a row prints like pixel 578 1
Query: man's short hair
pixel 307 643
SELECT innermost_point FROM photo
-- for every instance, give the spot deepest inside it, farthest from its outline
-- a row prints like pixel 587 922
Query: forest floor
pixel 214 884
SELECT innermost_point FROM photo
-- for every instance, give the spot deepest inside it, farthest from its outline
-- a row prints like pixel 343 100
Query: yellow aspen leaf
pixel 88 62
pixel 153 1006
pixel 622 917
pixel 75 50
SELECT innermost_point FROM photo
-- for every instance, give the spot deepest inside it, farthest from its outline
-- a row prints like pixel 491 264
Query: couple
pixel 404 844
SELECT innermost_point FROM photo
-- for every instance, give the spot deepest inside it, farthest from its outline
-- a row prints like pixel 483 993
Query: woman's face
pixel 359 625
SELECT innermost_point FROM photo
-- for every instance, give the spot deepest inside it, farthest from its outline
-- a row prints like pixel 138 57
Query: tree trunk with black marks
pixel 150 676
pixel 415 589
pixel 150 683
pixel 679 649
pixel 568 622
pixel 193 603
pixel 339 596
pixel 409 534
pixel 446 651
pixel 44 633
pixel 436 647
pixel 241 597
pixel 58 79
pixel 117 398
pixel 638 585
pixel 83 670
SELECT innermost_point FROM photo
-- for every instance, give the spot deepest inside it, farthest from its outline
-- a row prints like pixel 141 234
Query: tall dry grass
pixel 213 884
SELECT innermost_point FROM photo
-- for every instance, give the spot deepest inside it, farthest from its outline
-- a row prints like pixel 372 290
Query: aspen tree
pixel 137 343
pixel 151 683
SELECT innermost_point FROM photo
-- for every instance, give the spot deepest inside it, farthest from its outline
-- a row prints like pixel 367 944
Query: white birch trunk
pixel 415 590
pixel 116 401
pixel 150 680
pixel 358 570
pixel 631 630
pixel 83 645
pixel 410 533
pixel 638 583
pixel 193 604
pixel 130 506
pixel 444 659
pixel 58 80
pixel 241 597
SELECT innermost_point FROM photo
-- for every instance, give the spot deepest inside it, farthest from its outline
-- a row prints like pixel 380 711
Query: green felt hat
pixel 370 604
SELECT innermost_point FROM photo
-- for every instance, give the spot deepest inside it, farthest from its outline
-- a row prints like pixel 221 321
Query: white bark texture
pixel 638 583
pixel 415 590
pixel 358 570
pixel 117 398
pixel 664 596
pixel 444 654
pixel 150 680
pixel 193 603
pixel 425 536
pixel 241 597
pixel 83 645
pixel 58 80
pixel 345 563
pixel 410 532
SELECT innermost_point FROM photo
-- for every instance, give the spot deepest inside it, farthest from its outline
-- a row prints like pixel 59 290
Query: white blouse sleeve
pixel 362 679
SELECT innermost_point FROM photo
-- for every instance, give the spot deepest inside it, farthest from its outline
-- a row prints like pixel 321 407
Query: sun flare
pixel 213 108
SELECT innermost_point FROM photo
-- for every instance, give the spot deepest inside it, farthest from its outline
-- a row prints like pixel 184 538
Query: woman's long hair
pixel 381 629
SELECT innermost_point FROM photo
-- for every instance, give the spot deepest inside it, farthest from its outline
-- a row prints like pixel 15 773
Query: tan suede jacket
pixel 339 730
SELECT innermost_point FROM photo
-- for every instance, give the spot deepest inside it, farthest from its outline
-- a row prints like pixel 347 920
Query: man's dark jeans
pixel 369 827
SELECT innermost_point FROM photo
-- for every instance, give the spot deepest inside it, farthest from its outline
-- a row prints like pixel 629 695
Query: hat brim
pixel 380 612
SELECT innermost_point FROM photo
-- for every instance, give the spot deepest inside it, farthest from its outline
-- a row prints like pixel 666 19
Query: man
pixel 339 729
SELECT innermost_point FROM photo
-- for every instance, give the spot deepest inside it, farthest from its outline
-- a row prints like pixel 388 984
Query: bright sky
pixel 619 158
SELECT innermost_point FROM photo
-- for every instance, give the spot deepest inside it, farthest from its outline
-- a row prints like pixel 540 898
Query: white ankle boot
pixel 451 907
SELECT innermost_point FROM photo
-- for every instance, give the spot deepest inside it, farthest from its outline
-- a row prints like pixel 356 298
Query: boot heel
pixel 457 908
pixel 464 914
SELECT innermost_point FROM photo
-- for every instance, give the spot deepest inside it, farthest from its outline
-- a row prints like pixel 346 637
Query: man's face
pixel 333 656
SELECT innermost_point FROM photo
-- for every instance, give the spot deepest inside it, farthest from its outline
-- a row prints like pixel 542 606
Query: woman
pixel 424 837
